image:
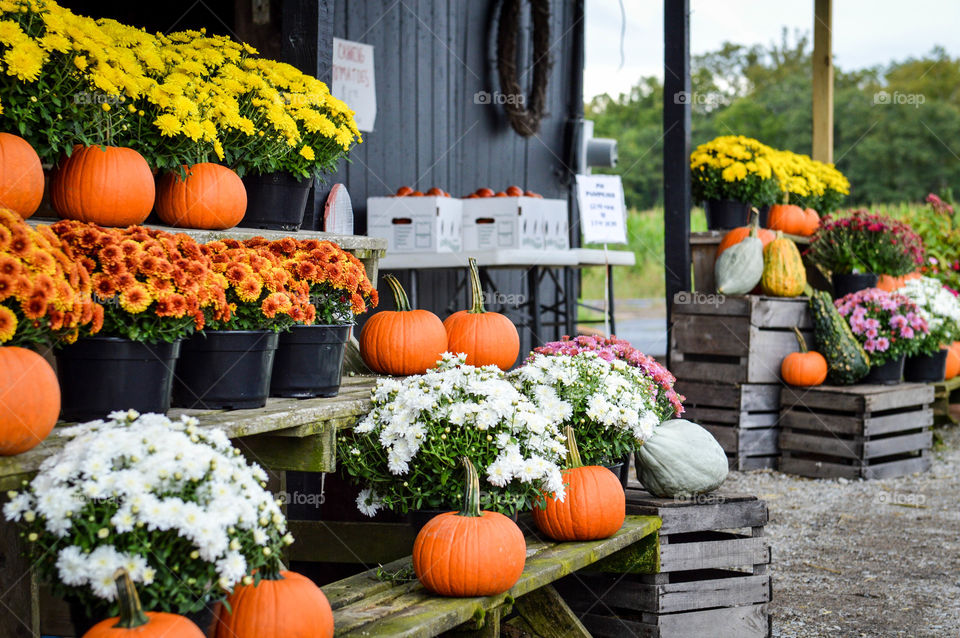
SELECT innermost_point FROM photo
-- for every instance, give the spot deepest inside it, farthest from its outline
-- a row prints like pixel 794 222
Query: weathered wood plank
pixel 745 442
pixel 858 399
pixel 719 554
pixel 643 557
pixel 601 626
pixel 715 335
pixel 713 511
pixel 823 445
pixel 317 453
pixel 898 444
pixel 752 621
pixel 816 469
pixel 904 467
pixel 744 420
pixel 690 368
pixel 410 611
pixel 350 542
pixel 19 610
pixel 767 350
pixel 549 615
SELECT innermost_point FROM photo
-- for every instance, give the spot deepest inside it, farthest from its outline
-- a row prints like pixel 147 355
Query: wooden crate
pixel 859 431
pixel 742 417
pixel 713 578
pixel 941 401
pixel 742 339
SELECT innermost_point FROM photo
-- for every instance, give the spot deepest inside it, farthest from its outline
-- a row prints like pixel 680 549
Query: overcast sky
pixel 865 32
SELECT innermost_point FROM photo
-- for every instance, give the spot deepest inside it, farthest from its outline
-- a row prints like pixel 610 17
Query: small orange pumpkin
pixel 283 604
pixel 211 197
pixel 106 185
pixel 737 235
pixel 134 622
pixel 21 176
pixel 470 552
pixel 404 341
pixel 29 400
pixel 953 360
pixel 594 506
pixel 812 219
pixel 787 218
pixel 804 368
pixel 889 283
pixel 487 338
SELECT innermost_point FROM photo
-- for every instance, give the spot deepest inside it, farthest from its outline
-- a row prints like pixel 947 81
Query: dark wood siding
pixel 431 59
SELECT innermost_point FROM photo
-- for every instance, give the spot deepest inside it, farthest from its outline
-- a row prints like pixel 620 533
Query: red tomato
pixel 404 191
pixel 532 194
pixel 472 196
pixel 514 191
pixel 416 194
pixel 436 192
pixel 501 194
pixel 484 192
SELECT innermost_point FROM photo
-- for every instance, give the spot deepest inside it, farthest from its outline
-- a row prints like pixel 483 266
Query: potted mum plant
pixel 154 288
pixel 940 308
pixel 730 174
pixel 855 249
pixel 890 327
pixel 309 356
pixel 175 504
pixel 613 404
pixel 45 300
pixel 405 453
pixel 229 365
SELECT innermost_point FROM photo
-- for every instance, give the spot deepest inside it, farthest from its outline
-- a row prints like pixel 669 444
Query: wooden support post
pixel 676 149
pixel 548 614
pixel 485 626
pixel 823 81
pixel 314 453
pixel 643 557
pixel 19 610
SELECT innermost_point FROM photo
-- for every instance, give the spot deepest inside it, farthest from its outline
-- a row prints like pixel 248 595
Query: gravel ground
pixel 864 558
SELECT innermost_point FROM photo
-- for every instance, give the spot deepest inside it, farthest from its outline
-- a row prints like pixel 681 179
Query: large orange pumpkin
pixel 211 197
pixel 29 399
pixel 288 604
pixel 804 368
pixel 470 552
pixel 593 508
pixel 792 219
pixel 106 185
pixel 487 338
pixel 953 360
pixel 404 341
pixel 134 622
pixel 21 176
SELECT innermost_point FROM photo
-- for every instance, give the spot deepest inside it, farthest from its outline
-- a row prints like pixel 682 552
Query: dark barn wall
pixel 431 58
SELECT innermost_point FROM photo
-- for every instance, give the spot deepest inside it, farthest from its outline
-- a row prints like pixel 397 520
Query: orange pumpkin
pixel 953 360
pixel 29 400
pixel 134 622
pixel 404 341
pixel 487 338
pixel 106 185
pixel 470 552
pixel 21 176
pixel 889 283
pixel 593 508
pixel 788 218
pixel 288 604
pixel 212 197
pixel 812 219
pixel 737 235
pixel 804 368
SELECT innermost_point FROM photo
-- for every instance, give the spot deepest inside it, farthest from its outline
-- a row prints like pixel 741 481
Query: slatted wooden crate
pixel 743 339
pixel 713 578
pixel 859 431
pixel 742 417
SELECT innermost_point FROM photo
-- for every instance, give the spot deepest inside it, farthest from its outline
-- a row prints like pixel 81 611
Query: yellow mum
pixel 168 124
pixel 307 153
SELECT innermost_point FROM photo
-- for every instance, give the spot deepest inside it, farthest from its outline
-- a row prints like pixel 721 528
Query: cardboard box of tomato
pixel 414 222
pixel 513 219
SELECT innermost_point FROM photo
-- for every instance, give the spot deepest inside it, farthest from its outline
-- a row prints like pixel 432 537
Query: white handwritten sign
pixel 353 80
pixel 603 217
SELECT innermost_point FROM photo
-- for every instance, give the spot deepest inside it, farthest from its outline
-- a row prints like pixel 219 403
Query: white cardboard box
pixel 490 223
pixel 416 224
pixel 556 224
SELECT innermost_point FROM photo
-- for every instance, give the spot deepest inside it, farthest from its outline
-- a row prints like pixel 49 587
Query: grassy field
pixel 645 239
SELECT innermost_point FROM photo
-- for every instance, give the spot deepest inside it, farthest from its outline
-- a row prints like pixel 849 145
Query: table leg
pixel 610 305
pixel 414 287
pixel 533 291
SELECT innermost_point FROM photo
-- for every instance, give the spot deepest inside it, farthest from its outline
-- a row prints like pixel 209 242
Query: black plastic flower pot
pixel 846 283
pixel 225 370
pixel 101 374
pixel 926 368
pixel 889 373
pixel 275 201
pixel 723 214
pixel 309 361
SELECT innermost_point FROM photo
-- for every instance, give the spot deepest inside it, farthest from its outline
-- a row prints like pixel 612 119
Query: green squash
pixel 739 268
pixel 847 362
pixel 681 459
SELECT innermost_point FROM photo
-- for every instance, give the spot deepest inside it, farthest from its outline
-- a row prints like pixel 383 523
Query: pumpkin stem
pixel 800 339
pixel 754 221
pixel 573 452
pixel 399 294
pixel 131 612
pixel 471 492
pixel 475 288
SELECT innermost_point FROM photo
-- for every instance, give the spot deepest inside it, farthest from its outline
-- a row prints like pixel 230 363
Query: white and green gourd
pixel 681 459
pixel 739 268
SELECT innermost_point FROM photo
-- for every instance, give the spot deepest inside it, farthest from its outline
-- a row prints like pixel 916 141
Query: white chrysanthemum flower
pixel 72 566
pixel 368 502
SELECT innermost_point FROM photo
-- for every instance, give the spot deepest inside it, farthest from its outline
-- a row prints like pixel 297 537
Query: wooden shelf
pixel 284 434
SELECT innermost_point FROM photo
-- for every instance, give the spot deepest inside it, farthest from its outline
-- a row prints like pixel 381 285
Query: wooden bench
pixel 941 401
pixel 374 603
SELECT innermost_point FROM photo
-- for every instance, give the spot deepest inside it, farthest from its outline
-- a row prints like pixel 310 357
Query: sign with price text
pixel 353 80
pixel 603 218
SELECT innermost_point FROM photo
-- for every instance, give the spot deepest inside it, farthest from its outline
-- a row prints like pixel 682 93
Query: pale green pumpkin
pixel 681 459
pixel 739 268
